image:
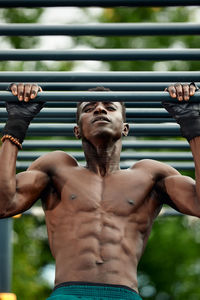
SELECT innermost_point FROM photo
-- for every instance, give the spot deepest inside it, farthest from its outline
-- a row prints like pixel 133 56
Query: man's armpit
pixel 162 194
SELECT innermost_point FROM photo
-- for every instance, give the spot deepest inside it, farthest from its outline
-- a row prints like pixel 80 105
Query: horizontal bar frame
pixel 101 29
pixel 96 3
pixel 49 129
pixel 111 76
pixel 71 113
pixel 100 96
pixel 100 54
pixel 81 86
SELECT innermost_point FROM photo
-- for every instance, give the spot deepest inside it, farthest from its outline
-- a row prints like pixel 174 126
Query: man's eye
pixel 111 108
pixel 88 109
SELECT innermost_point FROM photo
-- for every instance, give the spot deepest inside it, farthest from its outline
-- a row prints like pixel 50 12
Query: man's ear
pixel 77 132
pixel 125 129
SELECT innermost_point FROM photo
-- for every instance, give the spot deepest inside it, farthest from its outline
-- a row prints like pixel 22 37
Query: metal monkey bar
pixel 103 29
pixel 98 3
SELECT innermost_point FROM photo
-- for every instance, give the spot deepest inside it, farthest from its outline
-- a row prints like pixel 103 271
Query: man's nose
pixel 100 109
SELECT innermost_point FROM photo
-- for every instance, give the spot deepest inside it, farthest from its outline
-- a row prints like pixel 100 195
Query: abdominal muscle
pixel 95 247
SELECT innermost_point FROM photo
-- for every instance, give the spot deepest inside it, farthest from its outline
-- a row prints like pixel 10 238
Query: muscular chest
pixel 120 193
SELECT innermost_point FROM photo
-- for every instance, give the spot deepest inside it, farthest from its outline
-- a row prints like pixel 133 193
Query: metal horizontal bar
pixel 100 96
pixel 100 54
pixel 81 86
pixel 135 130
pixel 105 29
pixel 182 166
pixel 68 115
pixel 71 113
pixel 133 144
pixel 100 76
pixel 54 104
pixel 98 3
pixel 163 156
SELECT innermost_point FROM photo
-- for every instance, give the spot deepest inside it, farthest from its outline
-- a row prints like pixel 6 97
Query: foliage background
pixel 170 267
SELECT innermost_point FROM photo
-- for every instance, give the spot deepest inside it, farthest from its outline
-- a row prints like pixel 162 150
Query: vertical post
pixel 5 255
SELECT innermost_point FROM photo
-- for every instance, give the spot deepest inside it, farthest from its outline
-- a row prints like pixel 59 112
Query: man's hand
pixel 25 92
pixel 21 113
pixel 182 91
pixel 185 113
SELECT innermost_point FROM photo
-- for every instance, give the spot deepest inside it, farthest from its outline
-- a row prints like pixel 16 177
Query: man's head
pixel 100 89
pixel 101 119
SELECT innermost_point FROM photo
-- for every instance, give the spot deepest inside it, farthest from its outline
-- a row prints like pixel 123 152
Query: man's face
pixel 101 119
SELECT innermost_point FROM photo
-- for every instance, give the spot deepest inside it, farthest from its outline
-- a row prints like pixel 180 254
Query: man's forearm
pixel 195 148
pixel 8 157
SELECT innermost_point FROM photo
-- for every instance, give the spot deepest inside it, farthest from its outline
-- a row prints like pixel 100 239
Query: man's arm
pixel 18 193
pixel 182 192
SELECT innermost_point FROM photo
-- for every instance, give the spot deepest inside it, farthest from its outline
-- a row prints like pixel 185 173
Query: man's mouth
pixel 100 118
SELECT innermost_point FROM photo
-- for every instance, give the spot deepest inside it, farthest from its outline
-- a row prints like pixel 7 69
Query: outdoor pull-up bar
pixel 98 3
pixel 100 96
pixel 150 76
pixel 100 54
pixel 105 29
pixel 49 129
pixel 81 86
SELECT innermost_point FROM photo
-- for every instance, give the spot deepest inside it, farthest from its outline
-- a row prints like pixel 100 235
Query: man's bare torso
pixel 98 226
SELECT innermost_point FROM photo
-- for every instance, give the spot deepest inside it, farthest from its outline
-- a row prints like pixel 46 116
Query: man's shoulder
pixel 143 163
pixel 155 167
pixel 54 158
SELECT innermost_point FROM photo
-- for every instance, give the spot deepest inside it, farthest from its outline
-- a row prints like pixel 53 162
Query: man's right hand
pixel 25 92
pixel 21 113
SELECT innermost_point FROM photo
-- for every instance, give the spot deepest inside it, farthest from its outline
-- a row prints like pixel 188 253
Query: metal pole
pixel 5 255
pixel 135 130
pixel 100 76
pixel 71 113
pixel 100 54
pixel 100 96
pixel 105 29
pixel 98 3
pixel 84 86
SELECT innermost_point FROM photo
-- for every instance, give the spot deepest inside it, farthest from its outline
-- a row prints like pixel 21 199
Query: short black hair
pixel 100 89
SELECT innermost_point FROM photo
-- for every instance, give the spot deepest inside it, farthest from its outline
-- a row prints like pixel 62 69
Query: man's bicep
pixel 29 186
pixel 181 194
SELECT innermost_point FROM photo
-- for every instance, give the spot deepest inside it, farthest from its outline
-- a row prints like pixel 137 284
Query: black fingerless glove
pixel 20 115
pixel 187 115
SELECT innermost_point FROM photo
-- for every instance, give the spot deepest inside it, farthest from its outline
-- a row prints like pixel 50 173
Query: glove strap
pixel 190 128
pixel 16 128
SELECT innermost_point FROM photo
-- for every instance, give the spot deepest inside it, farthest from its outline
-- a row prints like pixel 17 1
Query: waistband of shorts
pixel 95 284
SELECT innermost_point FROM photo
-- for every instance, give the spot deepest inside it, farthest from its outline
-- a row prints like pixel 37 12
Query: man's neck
pixel 102 158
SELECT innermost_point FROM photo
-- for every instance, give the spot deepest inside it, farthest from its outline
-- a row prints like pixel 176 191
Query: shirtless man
pixel 98 217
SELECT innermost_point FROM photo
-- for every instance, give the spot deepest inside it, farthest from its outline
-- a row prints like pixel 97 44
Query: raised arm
pixel 18 193
pixel 183 192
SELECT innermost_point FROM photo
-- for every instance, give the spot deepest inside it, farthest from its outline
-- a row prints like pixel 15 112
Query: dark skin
pixel 98 217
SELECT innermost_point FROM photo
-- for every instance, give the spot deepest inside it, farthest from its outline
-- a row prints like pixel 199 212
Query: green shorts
pixel 89 291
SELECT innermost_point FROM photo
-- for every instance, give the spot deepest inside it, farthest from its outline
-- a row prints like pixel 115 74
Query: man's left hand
pixel 182 91
pixel 185 113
